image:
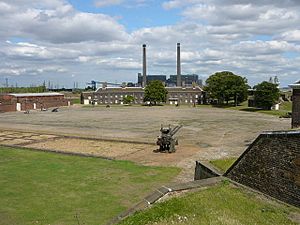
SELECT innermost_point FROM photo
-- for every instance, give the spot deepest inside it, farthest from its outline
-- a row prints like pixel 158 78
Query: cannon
pixel 166 141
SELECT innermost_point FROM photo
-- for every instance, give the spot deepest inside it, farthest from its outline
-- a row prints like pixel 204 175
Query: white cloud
pixel 103 3
pixel 51 39
pixel 127 3
pixel 61 24
pixel 292 36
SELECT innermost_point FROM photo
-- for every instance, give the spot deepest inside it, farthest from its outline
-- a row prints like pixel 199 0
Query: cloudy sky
pixel 67 41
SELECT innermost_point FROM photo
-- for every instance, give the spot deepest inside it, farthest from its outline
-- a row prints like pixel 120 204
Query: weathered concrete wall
pixel 296 108
pixel 271 164
pixel 204 171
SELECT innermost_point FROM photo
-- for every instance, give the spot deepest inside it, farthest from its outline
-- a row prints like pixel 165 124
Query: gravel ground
pixel 207 133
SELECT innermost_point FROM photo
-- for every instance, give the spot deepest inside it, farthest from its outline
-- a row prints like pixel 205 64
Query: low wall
pixel 271 165
pixel 204 171
pixel 7 108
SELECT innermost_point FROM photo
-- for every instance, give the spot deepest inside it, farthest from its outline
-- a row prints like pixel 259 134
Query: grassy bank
pixel 49 188
pixel 220 205
pixel 223 164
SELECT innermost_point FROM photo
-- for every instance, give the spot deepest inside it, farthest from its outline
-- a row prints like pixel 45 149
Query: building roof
pixel 296 85
pixel 35 94
pixel 111 89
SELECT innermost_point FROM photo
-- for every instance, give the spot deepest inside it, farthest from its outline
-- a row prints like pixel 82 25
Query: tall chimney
pixel 178 66
pixel 144 67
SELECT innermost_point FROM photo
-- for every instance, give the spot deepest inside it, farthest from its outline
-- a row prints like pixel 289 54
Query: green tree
pixel 266 95
pixel 226 86
pixel 128 99
pixel 155 92
pixel 38 89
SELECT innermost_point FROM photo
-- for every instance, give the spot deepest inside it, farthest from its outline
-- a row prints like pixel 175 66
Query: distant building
pixel 149 78
pixel 186 80
pixel 115 95
pixel 28 101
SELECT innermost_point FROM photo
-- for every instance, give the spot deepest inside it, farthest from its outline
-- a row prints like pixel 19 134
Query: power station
pixel 185 89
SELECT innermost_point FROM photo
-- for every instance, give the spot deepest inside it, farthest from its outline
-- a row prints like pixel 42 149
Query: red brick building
pixel 296 105
pixel 28 101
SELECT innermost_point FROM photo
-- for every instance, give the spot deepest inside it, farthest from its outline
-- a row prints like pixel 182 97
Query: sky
pixel 67 41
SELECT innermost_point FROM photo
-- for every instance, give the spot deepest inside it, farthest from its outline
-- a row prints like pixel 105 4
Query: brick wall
pixel 8 103
pixel 7 108
pixel 296 108
pixel 271 164
pixel 42 102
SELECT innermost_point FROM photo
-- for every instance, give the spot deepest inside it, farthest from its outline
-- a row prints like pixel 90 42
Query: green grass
pixel 76 101
pixel 218 205
pixel 284 108
pixel 223 164
pixel 49 188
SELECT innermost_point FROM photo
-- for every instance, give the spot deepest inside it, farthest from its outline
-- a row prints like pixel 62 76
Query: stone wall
pixel 296 108
pixel 271 164
pixel 204 171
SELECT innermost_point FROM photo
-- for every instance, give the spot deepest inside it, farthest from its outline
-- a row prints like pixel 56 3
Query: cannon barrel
pixel 175 130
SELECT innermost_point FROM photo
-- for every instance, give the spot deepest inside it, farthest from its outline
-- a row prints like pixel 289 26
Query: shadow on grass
pixel 251 109
pixel 227 106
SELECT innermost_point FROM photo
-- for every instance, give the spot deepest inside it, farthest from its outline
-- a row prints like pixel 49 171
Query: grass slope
pixel 49 188
pixel 223 164
pixel 219 205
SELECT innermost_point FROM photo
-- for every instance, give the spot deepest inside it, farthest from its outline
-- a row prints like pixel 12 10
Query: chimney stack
pixel 144 67
pixel 178 66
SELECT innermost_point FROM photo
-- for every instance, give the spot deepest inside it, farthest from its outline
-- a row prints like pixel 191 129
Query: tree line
pixel 226 86
pixel 37 89
pixel 222 88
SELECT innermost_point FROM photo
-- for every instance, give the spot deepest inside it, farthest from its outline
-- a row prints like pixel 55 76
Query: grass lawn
pixel 284 108
pixel 223 164
pixel 219 205
pixel 49 188
pixel 76 101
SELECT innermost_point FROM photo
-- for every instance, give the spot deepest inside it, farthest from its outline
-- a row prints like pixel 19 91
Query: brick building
pixel 115 95
pixel 27 101
pixel 296 104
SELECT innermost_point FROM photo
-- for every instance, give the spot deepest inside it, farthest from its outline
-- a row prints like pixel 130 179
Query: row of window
pixel 141 96
pixel 136 102
pixel 117 96
pixel 115 102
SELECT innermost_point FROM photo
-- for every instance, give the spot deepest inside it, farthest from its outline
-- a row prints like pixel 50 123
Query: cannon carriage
pixel 166 140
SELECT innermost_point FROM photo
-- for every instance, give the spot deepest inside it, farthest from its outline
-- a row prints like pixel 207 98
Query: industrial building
pixel 182 89
pixel 27 101
pixel 188 80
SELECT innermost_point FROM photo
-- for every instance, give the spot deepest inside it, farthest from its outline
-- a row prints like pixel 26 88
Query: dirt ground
pixel 207 133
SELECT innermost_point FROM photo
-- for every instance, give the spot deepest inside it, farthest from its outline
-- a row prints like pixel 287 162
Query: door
pixel 19 106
